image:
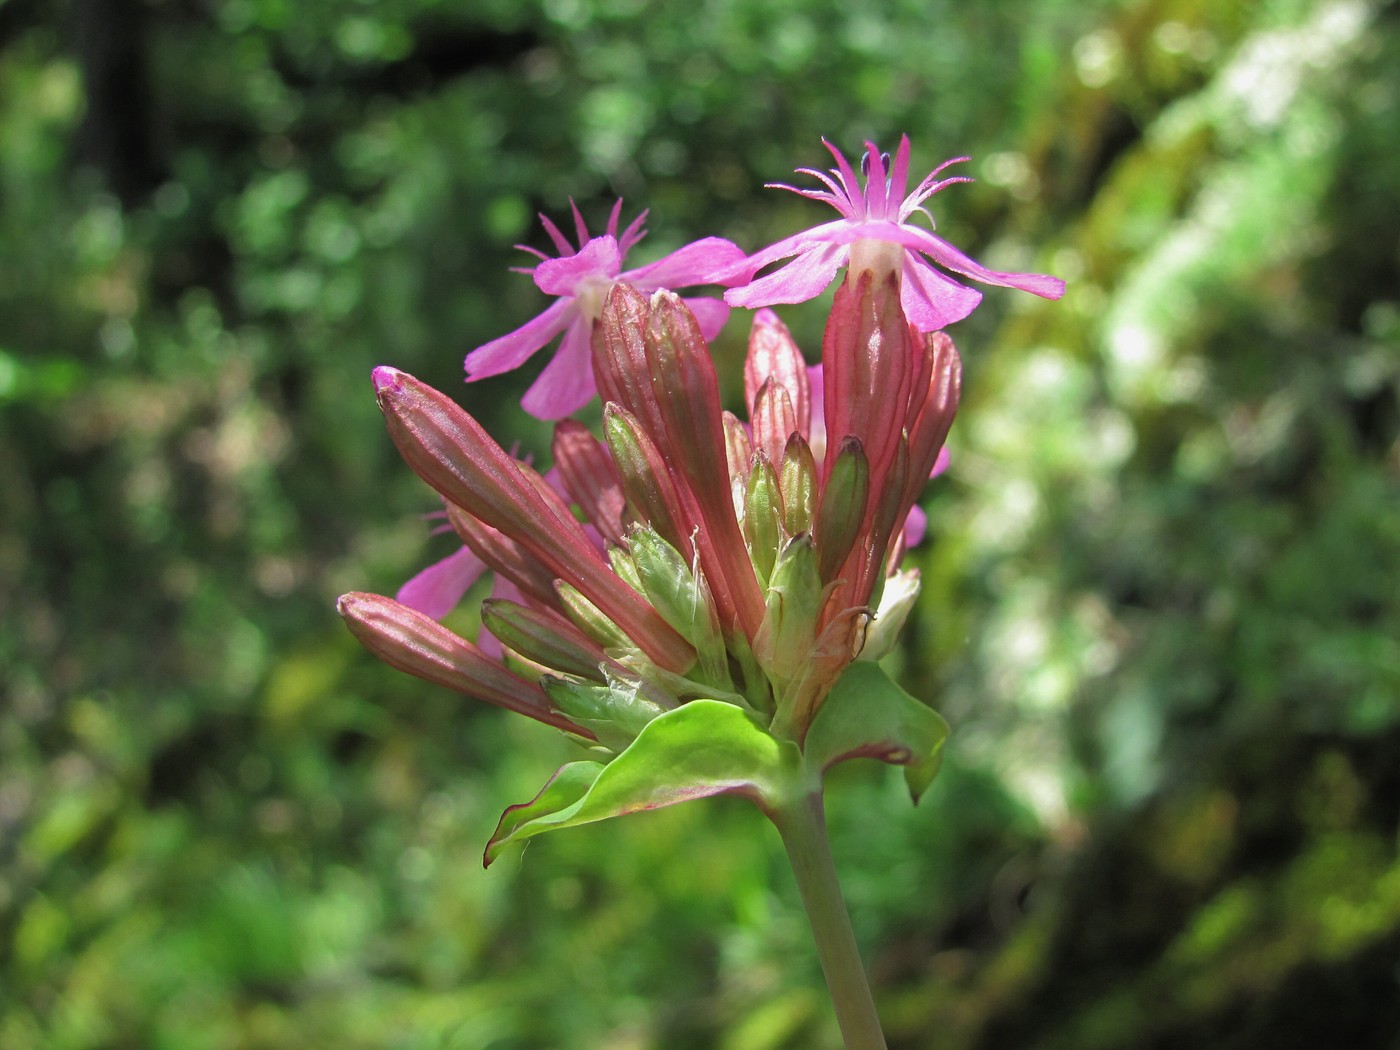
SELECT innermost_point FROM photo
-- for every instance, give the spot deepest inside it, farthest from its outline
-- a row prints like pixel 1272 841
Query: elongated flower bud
pixel 626 568
pixel 798 482
pixel 774 420
pixel 794 601
pixel 737 447
pixel 449 450
pixel 763 517
pixel 863 573
pixel 687 393
pixel 932 413
pixel 590 477
pixel 665 379
pixel 683 599
pixel 545 638
pixel 867 358
pixel 591 620
pixel 417 644
pixel 774 357
pixel 842 509
pixel 650 491
pixel 503 555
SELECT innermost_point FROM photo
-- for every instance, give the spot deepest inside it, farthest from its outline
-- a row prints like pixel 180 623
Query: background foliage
pixel 1160 602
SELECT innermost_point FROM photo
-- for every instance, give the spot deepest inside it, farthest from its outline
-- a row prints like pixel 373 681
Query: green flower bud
pixel 625 568
pixel 842 510
pixel 793 605
pixel 614 713
pixel 798 483
pixel 763 513
pixel 543 637
pixel 683 599
pixel 588 618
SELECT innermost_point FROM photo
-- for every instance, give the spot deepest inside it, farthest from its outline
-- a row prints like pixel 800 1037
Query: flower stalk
pixel 802 825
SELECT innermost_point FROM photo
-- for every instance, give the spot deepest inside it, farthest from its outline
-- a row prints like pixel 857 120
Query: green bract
pixel 709 747
pixel 704 748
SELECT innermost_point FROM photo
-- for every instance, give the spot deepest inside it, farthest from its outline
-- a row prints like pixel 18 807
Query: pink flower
pixel 686 554
pixel 580 280
pixel 873 234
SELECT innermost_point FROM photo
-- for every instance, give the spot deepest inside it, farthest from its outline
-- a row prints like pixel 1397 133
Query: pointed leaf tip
pixel 866 715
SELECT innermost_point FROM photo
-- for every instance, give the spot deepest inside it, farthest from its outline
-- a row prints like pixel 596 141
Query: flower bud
pixel 738 449
pixel 545 638
pixel 793 604
pixel 626 568
pixel 763 514
pixel 589 619
pixel 774 420
pixel 842 509
pixel 414 643
pixel 683 599
pixel 614 713
pixel 650 490
pixel 774 357
pixel 798 483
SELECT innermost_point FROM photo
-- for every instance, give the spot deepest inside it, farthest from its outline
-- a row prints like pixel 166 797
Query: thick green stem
pixel 802 825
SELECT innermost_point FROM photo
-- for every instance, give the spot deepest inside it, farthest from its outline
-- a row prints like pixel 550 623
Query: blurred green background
pixel 1161 596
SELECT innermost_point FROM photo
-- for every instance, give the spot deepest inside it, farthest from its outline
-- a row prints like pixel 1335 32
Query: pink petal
pixel 915 526
pixel 899 173
pixel 512 350
pixel 600 257
pixel 850 184
pixel 876 188
pixel 941 463
pixel 871 230
pixel 711 313
pixel 437 589
pixel 634 231
pixel 945 254
pixel 826 233
pixel 933 300
pixel 806 277
pixel 695 263
pixel 580 227
pixel 566 384
pixel 561 243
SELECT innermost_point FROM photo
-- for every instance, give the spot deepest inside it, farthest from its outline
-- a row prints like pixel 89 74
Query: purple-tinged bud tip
pixel 386 377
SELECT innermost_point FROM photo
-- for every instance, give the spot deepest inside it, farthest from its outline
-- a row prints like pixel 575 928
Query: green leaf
pixel 702 748
pixel 569 784
pixel 866 715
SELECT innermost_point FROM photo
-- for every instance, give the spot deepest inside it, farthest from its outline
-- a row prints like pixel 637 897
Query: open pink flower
pixel 874 234
pixel 580 280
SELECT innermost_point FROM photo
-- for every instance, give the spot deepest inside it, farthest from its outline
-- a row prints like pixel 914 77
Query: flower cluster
pixel 695 597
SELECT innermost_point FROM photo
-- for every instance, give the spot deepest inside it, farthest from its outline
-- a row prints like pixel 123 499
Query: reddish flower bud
pixel 418 645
